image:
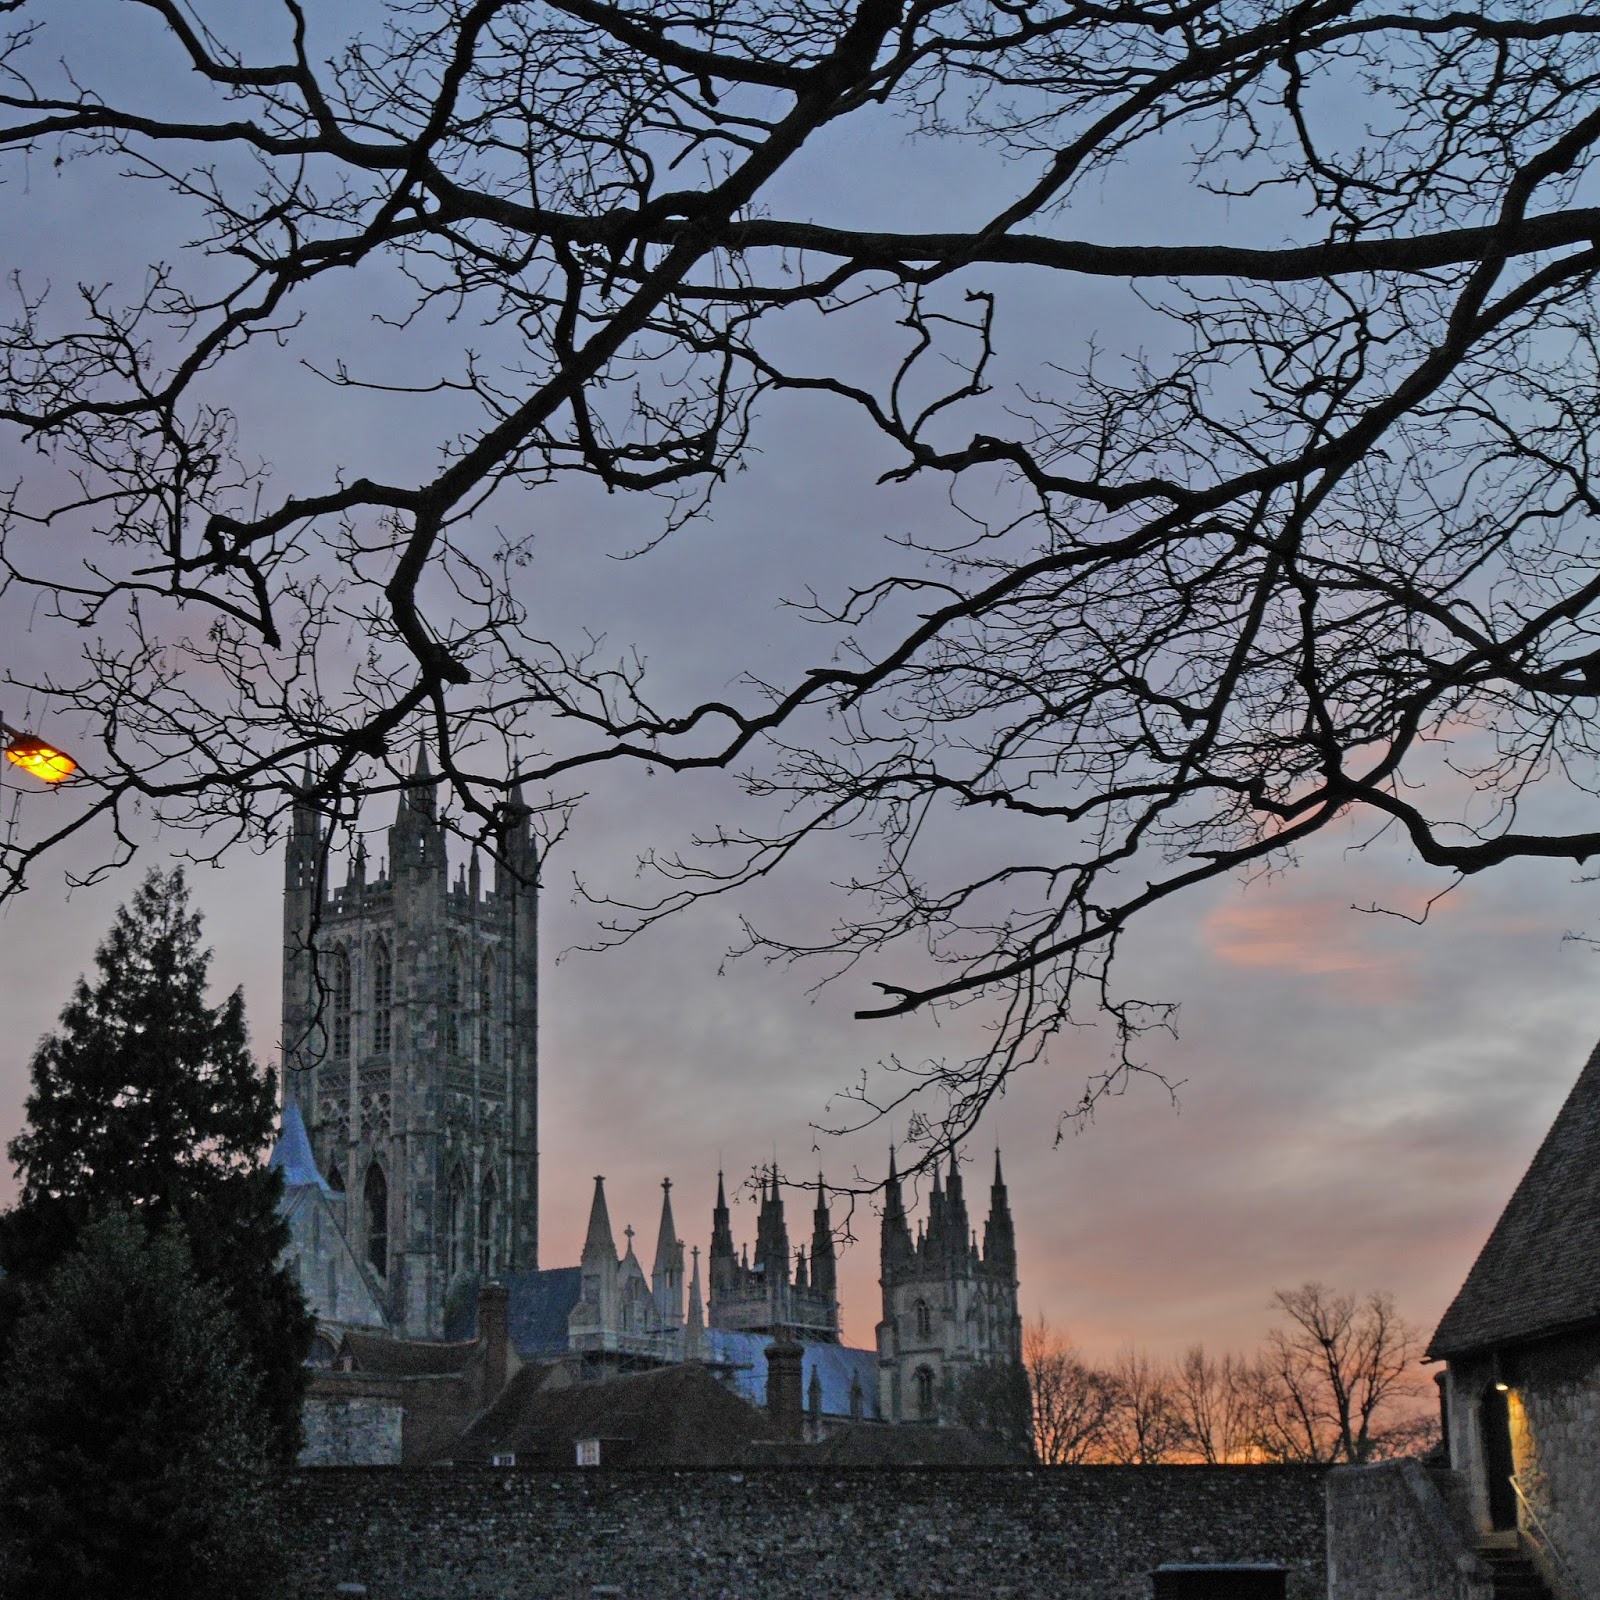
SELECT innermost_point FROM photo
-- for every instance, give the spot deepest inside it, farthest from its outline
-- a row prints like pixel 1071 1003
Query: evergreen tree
pixel 129 1428
pixel 147 1099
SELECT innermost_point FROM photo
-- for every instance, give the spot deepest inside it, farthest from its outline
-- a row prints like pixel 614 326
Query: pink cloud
pixel 1305 937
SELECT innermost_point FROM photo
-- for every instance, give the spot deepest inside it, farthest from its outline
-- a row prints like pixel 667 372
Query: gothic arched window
pixel 924 1321
pixel 456 1225
pixel 924 1392
pixel 452 1000
pixel 382 997
pixel 375 1192
pixel 336 1180
pixel 486 1017
pixel 488 1256
pixel 340 987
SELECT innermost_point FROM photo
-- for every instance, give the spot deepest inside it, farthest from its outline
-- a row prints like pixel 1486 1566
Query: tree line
pixel 1336 1380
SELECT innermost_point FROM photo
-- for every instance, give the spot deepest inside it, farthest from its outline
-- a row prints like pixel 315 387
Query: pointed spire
pixel 802 1278
pixel 957 1228
pixel 999 1235
pixel 667 1233
pixel 824 1279
pixel 421 769
pixel 627 1233
pixel 694 1333
pixel 772 1234
pixel 895 1235
pixel 666 1275
pixel 936 1209
pixel 598 1241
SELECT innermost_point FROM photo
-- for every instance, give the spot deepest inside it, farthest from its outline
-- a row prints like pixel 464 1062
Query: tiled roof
pixel 406 1358
pixel 835 1364
pixel 672 1416
pixel 1539 1273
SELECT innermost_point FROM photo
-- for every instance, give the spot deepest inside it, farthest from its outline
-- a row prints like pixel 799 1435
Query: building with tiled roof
pixel 1522 1343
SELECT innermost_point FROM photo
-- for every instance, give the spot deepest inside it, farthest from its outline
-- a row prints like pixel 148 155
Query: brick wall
pixel 1072 1533
pixel 1391 1537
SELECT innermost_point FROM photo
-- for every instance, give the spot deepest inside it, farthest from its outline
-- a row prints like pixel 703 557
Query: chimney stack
pixel 494 1333
pixel 785 1394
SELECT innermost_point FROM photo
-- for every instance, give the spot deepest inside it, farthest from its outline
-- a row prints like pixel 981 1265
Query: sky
pixel 1356 1095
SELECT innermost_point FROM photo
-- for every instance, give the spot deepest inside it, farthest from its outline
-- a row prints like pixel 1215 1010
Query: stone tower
pixel 950 1343
pixel 410 1013
pixel 764 1297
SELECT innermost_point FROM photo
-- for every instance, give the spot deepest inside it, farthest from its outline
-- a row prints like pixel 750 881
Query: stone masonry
pixel 1071 1533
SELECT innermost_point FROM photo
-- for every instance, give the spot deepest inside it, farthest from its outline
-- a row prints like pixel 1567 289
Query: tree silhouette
pixel 147 1099
pixel 1321 545
pixel 130 1437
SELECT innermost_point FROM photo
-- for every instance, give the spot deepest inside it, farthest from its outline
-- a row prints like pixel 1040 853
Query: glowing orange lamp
pixel 33 755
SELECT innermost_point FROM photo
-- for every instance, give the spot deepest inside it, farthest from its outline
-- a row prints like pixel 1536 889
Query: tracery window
pixel 924 1382
pixel 924 1321
pixel 376 1194
pixel 341 1005
pixel 486 1017
pixel 455 1231
pixel 452 1001
pixel 488 1255
pixel 382 997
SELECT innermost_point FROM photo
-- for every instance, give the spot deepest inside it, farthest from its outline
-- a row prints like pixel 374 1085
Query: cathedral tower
pixel 764 1298
pixel 950 1343
pixel 410 1015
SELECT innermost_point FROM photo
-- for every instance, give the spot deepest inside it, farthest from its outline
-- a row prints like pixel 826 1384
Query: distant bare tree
pixel 1334 1381
pixel 1219 1404
pixel 1147 1423
pixel 1072 1403
pixel 1328 527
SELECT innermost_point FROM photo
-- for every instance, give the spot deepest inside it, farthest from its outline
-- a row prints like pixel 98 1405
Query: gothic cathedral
pixel 410 1012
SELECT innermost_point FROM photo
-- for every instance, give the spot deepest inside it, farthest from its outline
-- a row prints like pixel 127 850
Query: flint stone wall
pixel 797 1533
pixel 1555 1440
pixel 342 1430
pixel 1391 1537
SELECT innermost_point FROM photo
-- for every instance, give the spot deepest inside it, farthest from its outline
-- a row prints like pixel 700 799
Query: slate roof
pixel 836 1364
pixel 672 1416
pixel 1539 1274
pixel 292 1153
pixel 537 1307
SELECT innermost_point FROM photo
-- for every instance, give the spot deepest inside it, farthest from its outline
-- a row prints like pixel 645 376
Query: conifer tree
pixel 147 1099
pixel 130 1444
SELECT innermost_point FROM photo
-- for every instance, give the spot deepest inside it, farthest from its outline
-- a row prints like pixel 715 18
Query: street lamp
pixel 33 755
